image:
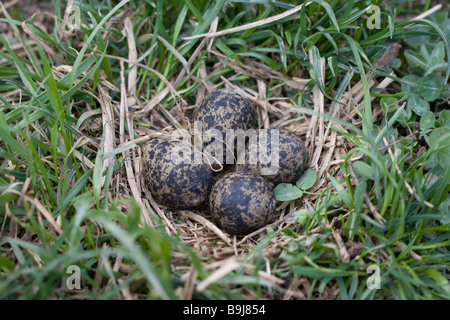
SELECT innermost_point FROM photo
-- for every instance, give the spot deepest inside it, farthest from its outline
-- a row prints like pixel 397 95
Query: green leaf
pixel 6 264
pixel 409 84
pixel 427 121
pixel 86 115
pixel 436 67
pixel 317 72
pixel 440 279
pixel 367 106
pixel 359 195
pixel 224 49
pixel 73 192
pixel 446 44
pixel 330 12
pixel 418 105
pixel 256 55
pixel 416 62
pixel 6 137
pixel 352 138
pixel 23 71
pixel 386 102
pixel 439 138
pixel 320 272
pixel 438 54
pixel 353 221
pixel 432 87
pixel 404 116
pixel 342 192
pixel 287 192
pixel 288 36
pixel 363 170
pixel 444 117
pixel 237 42
pixel 424 53
pixel 307 180
pixel 444 208
pixel 283 55
pixel 301 216
pixel 174 51
pixel 332 64
pixel 194 10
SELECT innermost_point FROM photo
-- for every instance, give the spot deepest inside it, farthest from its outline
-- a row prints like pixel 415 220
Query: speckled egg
pixel 173 176
pixel 261 156
pixel 222 110
pixel 242 202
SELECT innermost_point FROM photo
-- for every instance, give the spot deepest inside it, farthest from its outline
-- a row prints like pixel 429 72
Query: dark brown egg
pixel 224 110
pixel 242 202
pixel 279 156
pixel 173 176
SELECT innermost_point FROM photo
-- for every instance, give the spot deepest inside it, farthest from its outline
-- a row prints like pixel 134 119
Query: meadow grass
pixel 370 102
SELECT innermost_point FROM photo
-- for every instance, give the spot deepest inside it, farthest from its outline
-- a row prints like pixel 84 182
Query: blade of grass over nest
pixel 38 168
pixel 45 41
pixel 249 25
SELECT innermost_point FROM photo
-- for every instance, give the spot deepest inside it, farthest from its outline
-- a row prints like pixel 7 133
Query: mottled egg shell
pixel 222 110
pixel 242 202
pixel 173 182
pixel 286 166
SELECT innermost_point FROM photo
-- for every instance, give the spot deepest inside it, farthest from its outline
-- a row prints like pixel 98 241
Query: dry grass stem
pixel 226 267
pixel 250 25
